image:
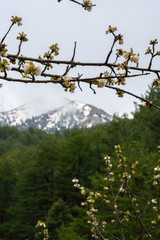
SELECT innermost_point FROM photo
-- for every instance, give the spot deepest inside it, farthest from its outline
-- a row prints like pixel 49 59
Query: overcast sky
pixel 46 22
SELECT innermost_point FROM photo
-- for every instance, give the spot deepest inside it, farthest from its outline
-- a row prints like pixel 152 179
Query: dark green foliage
pixel 36 172
pixel 67 233
pixel 58 215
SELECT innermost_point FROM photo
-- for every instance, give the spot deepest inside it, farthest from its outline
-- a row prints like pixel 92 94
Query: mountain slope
pixel 71 115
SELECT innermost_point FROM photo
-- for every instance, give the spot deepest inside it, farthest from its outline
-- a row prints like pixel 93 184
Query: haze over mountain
pixel 71 114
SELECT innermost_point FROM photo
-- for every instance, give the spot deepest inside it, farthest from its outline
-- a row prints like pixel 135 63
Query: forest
pixel 37 171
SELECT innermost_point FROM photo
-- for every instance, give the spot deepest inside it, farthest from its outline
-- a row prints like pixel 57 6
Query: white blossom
pixel 135 59
pixel 26 67
pixel 157 168
pixel 30 68
pixel 101 83
pixel 154 200
pixel 121 189
pixel 8 67
pixel 38 71
pixel 75 180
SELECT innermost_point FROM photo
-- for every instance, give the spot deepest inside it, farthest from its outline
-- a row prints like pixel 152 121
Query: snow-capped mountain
pixel 71 115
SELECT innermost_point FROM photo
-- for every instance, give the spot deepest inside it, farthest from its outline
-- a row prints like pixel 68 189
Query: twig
pixel 19 47
pixel 107 232
pixel 152 56
pixel 79 86
pixel 7 32
pixel 83 5
pixel 90 85
pixel 110 52
pixel 74 51
pixel 129 93
pixel 137 217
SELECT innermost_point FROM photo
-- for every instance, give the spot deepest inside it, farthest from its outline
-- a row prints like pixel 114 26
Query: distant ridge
pixel 72 114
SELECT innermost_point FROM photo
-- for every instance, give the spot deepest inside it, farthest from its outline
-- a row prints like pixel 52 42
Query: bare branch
pixel 19 47
pixel 133 95
pixel 87 64
pixel 7 32
pixel 74 52
pixel 83 5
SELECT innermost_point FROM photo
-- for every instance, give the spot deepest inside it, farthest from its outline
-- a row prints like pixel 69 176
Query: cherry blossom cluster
pixel 117 184
pixel 42 230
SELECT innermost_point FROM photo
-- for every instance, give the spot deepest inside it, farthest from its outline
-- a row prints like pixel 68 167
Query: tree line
pixel 36 172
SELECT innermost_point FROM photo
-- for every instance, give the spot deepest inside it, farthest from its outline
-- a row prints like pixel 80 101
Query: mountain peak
pixel 39 114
